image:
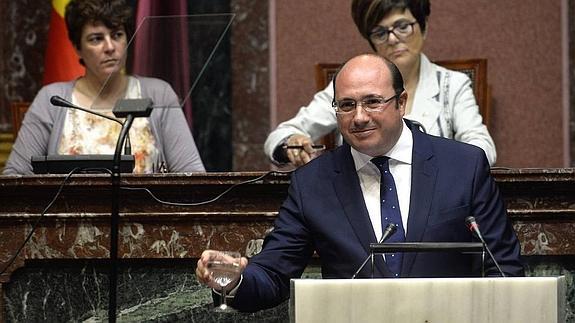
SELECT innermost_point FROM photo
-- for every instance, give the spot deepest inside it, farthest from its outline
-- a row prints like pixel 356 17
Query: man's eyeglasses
pixel 372 103
pixel 401 29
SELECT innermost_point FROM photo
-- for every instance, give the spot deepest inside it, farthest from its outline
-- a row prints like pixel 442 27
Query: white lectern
pixel 405 300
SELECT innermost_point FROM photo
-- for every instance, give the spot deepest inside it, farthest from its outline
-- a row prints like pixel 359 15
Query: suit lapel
pixel 347 187
pixel 423 177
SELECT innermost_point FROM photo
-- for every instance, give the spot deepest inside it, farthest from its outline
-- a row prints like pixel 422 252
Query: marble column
pixel 23 30
pixel 571 23
pixel 250 84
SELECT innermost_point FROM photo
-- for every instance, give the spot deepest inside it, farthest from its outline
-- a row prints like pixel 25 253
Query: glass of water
pixel 225 268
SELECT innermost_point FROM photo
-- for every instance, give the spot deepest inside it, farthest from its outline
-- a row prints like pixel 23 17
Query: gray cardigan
pixel 42 128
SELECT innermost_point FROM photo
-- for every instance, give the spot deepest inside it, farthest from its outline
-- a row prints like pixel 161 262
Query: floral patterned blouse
pixel 85 133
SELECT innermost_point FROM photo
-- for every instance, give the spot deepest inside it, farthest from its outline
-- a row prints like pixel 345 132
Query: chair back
pixel 476 69
pixel 18 110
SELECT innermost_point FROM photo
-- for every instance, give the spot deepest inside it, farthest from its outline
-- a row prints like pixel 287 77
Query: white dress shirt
pixel 369 179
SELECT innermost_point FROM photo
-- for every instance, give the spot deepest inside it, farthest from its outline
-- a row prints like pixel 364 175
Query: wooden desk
pixel 541 204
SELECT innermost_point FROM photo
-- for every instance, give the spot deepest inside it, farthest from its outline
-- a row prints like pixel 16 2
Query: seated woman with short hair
pixel 100 31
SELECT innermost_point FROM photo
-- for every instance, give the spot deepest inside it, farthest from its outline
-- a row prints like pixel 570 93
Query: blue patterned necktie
pixel 390 212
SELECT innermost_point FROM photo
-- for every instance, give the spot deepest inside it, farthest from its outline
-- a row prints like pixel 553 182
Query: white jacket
pixel 444 104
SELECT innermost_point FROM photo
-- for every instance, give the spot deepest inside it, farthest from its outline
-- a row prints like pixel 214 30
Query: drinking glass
pixel 224 267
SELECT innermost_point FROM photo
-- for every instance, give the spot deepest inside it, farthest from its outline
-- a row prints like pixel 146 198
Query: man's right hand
pixel 204 274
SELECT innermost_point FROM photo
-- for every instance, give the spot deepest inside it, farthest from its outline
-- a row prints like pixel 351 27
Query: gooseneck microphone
pixel 61 102
pixel 474 227
pixel 387 233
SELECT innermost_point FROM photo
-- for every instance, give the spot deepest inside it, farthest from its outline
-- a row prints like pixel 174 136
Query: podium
pixel 405 300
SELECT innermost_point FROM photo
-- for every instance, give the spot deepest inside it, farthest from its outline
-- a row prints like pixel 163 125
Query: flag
pixel 161 47
pixel 61 63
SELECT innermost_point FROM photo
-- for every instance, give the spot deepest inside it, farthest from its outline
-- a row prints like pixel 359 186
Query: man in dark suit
pixel 335 206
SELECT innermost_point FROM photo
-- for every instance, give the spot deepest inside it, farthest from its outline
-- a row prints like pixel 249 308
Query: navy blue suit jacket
pixel 325 212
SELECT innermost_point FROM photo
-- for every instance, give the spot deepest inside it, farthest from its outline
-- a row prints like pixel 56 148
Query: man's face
pixel 372 133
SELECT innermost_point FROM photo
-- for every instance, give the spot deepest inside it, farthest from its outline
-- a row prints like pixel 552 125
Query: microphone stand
pixel 114 220
pixel 387 232
pixel 130 109
pixel 473 227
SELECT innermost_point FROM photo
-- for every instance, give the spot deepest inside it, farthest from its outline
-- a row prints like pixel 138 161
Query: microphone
pixel 61 102
pixel 387 233
pixel 474 227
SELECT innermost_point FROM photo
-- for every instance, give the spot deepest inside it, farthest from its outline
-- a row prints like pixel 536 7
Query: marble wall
pixel 147 292
pixel 162 292
pixel 571 56
pixel 24 30
pixel 53 279
pixel 250 84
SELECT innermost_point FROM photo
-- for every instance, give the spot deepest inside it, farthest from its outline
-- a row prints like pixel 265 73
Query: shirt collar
pixel 401 152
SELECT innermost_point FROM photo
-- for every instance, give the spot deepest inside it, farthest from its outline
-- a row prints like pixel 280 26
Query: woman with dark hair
pixel 100 31
pixel 440 99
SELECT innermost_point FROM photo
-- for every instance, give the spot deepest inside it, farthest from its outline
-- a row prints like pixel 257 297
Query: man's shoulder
pixel 325 164
pixel 451 149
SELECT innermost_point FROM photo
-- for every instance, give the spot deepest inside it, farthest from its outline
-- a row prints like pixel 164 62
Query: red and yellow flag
pixel 61 62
